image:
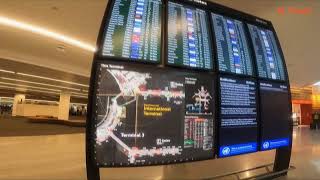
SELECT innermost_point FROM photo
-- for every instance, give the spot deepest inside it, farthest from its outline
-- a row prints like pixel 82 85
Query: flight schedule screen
pixel 269 61
pixel 134 30
pixel 234 55
pixel 152 116
pixel 238 129
pixel 189 42
pixel 275 115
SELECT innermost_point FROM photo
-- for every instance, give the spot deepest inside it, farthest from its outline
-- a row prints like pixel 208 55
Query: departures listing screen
pixel 233 52
pixel 275 115
pixel 134 30
pixel 189 42
pixel 268 59
pixel 238 129
pixel 150 116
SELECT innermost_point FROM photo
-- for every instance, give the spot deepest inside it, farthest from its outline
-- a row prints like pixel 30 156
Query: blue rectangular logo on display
pixel 237 149
pixel 272 144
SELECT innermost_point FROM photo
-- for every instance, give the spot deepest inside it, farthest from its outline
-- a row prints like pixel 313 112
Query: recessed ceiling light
pixel 45 32
pixel 31 90
pixel 73 94
pixel 6 97
pixel 61 48
pixel 38 100
pixel 52 79
pixel 32 87
pixel 6 71
pixel 85 97
pixel 44 84
pixel 55 8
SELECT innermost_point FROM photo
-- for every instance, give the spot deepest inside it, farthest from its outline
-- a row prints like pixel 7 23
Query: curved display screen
pixel 142 114
pixel 234 55
pixel 153 116
pixel 238 127
pixel 189 43
pixel 275 115
pixel 134 30
pixel 268 59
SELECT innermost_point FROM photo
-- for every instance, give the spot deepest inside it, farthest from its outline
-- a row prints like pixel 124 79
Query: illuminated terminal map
pixel 152 116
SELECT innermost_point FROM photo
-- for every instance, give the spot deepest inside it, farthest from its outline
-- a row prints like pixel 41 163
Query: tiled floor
pixel 60 156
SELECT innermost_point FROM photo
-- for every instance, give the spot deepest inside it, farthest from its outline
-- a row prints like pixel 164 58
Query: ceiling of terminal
pixel 40 82
pixel 81 20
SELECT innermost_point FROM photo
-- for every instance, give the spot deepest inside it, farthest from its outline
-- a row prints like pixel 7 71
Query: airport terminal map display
pixel 238 128
pixel 150 115
pixel 134 30
pixel 275 115
pixel 188 37
pixel 268 59
pixel 233 52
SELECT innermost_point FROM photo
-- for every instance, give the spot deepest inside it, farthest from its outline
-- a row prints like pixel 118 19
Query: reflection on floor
pixel 61 157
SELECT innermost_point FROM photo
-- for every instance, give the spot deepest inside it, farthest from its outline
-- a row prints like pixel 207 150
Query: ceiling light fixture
pixel 52 79
pixel 32 87
pixel 45 92
pixel 38 100
pixel 45 32
pixel 32 90
pixel 6 71
pixel 85 97
pixel 81 94
pixel 6 97
pixel 81 104
pixel 44 84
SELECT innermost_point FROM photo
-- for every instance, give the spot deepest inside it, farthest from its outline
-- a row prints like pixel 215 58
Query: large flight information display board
pixel 268 58
pixel 238 127
pixel 134 30
pixel 275 115
pixel 234 55
pixel 148 116
pixel 189 43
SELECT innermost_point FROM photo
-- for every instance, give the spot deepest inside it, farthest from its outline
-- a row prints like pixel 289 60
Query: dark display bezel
pixel 102 34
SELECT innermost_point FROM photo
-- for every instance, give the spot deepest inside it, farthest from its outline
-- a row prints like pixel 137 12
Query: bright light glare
pixel 317 83
pixel 44 32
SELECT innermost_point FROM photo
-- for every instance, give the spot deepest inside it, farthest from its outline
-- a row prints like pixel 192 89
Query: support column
pixel 64 104
pixel 18 99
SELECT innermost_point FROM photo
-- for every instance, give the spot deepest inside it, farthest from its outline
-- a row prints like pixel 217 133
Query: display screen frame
pixel 246 32
pixel 260 114
pixel 92 123
pixel 210 34
pixel 218 111
pixel 285 70
pixel 246 19
pixel 214 72
pixel 102 34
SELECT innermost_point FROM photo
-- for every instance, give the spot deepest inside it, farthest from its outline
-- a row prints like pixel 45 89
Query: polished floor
pixel 60 156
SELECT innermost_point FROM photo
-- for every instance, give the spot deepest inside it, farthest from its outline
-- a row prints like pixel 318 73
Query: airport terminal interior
pixel 66 76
